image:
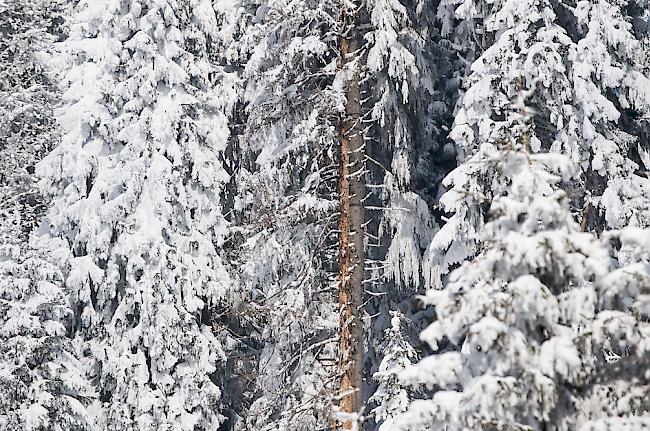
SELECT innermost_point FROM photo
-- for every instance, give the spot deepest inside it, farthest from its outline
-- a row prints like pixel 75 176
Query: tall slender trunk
pixel 352 190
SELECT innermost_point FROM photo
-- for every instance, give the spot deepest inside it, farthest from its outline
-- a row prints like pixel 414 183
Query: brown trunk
pixel 352 189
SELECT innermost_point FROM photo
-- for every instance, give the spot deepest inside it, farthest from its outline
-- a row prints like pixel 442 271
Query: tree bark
pixel 352 190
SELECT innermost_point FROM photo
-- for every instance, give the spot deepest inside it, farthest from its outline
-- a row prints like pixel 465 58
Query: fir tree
pixel 392 396
pixel 284 210
pixel 409 74
pixel 136 185
pixel 535 319
pixel 591 105
pixel 285 204
pixel 42 383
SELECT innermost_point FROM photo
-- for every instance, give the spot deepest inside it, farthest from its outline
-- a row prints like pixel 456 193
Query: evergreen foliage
pixel 285 207
pixel 42 383
pixel 135 185
pixel 592 103
pixel 168 254
pixel 536 319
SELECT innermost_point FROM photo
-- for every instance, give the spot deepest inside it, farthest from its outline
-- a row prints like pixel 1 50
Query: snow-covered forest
pixel 301 215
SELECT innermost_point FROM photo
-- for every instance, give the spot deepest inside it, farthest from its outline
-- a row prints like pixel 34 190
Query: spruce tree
pixel 411 77
pixel 42 383
pixel 135 186
pixel 530 331
pixel 591 105
pixel 283 213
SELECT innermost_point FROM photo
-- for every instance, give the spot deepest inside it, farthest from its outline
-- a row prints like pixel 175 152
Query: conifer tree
pixel 591 104
pixel 284 212
pixel 411 84
pixel 392 396
pixel 42 383
pixel 135 186
pixel 536 322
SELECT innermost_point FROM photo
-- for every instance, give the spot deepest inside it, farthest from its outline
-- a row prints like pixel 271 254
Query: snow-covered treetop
pixel 529 315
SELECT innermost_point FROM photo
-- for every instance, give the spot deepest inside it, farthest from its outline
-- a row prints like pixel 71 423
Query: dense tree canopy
pixel 177 214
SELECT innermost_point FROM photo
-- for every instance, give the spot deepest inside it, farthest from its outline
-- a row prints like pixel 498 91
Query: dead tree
pixel 351 189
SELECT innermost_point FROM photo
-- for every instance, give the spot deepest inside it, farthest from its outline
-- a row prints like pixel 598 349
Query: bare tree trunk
pixel 352 190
